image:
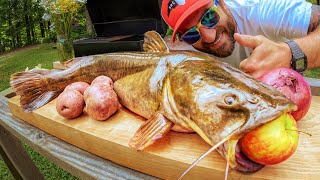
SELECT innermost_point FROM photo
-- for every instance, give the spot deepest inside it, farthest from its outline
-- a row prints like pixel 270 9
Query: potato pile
pixel 70 102
pixel 100 99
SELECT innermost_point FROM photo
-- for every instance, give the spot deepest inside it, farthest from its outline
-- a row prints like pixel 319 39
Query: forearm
pixel 310 44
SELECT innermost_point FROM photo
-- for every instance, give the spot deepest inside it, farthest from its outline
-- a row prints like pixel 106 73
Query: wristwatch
pixel 299 59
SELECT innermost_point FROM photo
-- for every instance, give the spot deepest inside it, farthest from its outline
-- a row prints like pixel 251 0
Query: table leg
pixel 16 158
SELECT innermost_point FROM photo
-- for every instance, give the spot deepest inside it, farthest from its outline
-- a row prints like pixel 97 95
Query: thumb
pixel 247 40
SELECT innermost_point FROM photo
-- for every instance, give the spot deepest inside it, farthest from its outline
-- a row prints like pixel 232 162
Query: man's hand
pixel 266 54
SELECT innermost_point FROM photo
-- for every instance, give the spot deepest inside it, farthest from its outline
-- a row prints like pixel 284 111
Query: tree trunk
pixel 28 29
pixel 11 34
pixel 42 29
pixel 19 44
pixel 33 35
pixel 27 21
pixel 88 22
pixel 2 47
pixel 49 24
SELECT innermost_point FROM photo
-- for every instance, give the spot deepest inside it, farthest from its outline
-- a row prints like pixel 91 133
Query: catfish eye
pixel 229 100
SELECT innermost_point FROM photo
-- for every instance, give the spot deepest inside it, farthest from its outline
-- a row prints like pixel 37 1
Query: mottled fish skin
pixel 216 100
pixel 191 89
pixel 113 65
pixel 37 89
pixel 146 87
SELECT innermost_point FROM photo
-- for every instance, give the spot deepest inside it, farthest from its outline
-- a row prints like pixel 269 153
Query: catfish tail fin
pixel 33 90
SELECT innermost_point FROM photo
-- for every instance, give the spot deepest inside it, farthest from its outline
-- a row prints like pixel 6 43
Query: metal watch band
pixel 297 54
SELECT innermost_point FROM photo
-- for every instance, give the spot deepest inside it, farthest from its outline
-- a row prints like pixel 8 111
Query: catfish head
pixel 222 103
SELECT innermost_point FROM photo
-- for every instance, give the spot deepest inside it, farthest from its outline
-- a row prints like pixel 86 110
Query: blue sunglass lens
pixel 191 36
pixel 210 19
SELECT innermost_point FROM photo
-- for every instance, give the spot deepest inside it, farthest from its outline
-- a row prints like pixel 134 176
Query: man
pixel 254 35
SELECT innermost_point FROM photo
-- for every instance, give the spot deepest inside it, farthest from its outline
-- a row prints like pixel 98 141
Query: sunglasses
pixel 209 20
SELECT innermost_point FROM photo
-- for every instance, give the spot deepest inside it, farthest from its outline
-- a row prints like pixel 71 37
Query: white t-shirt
pixel 277 20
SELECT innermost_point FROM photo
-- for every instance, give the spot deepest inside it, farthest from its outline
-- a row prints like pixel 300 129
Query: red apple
pixel 273 142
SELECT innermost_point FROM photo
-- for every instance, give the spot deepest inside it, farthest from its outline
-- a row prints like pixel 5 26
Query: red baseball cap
pixel 174 12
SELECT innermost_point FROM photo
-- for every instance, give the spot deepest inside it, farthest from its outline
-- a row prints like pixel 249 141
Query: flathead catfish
pixel 183 90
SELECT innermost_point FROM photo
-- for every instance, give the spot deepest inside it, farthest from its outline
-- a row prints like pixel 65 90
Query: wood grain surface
pixel 76 161
pixel 172 155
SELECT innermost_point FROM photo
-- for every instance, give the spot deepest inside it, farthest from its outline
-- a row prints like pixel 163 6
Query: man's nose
pixel 207 35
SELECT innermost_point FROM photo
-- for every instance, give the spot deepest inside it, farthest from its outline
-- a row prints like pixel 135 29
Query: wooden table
pixel 74 160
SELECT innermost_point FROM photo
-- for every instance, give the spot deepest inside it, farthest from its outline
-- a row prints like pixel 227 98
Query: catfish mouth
pixel 244 164
pixel 238 160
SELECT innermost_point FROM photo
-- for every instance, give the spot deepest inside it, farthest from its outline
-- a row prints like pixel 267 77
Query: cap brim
pixel 187 13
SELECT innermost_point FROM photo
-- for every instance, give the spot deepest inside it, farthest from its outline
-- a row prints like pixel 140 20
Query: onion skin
pixel 293 86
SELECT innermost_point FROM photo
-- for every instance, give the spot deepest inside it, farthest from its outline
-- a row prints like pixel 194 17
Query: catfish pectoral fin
pixel 153 129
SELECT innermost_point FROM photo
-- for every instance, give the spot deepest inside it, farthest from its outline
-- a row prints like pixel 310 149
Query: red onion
pixel 293 86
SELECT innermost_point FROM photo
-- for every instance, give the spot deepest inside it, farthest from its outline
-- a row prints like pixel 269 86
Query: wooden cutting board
pixel 172 155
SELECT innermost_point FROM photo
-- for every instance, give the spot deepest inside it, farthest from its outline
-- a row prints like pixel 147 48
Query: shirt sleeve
pixel 284 18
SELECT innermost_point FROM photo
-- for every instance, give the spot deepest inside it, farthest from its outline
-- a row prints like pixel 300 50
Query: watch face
pixel 301 65
pixel 299 59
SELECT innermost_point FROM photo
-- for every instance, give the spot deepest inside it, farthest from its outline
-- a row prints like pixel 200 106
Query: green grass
pixel 4 171
pixel 18 61
pixel 312 73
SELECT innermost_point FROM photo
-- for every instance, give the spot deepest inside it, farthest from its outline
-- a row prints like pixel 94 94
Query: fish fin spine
pixel 153 129
pixel 33 90
pixel 153 42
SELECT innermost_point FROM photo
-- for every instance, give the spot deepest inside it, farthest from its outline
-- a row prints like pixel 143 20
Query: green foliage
pixel 169 31
pixel 312 1
pixel 21 24
pixel 79 30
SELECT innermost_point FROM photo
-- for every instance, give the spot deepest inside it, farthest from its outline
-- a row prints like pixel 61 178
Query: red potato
pixel 79 86
pixel 70 104
pixel 103 80
pixel 101 101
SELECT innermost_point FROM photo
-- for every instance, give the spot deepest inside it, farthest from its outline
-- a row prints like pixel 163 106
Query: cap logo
pixel 174 3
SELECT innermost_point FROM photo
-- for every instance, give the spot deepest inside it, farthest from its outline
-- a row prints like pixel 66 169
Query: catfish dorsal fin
pixel 154 128
pixel 153 42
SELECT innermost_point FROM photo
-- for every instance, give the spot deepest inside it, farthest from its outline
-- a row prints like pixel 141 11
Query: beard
pixel 225 49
